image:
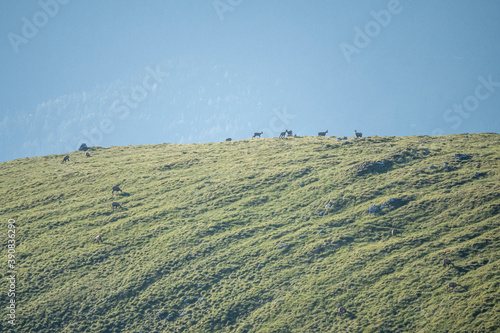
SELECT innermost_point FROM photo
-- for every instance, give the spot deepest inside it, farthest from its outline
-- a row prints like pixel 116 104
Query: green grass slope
pixel 235 237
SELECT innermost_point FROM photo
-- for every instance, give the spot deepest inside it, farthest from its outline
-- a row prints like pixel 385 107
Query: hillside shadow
pixel 350 315
pixel 124 194
pixel 461 269
pixel 458 290
pixel 110 212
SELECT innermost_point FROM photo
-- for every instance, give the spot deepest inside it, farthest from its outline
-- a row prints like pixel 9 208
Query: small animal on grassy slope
pixel 358 134
pixel 98 239
pixel 87 154
pixel 447 262
pixel 228 139
pixel 289 133
pixel 116 205
pixel 282 134
pixel 322 133
pixel 393 232
pixel 453 285
pixel 65 159
pixel 115 189
pixel 257 134
pixel 341 310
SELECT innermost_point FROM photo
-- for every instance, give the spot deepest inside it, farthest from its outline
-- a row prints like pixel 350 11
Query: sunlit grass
pixel 229 236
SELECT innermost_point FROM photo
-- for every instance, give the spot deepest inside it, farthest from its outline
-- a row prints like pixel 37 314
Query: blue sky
pixel 129 72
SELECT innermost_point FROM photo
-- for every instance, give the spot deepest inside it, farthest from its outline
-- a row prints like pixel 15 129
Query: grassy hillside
pixel 235 236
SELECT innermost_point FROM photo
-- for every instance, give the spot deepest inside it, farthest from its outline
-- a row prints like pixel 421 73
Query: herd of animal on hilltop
pixel 287 133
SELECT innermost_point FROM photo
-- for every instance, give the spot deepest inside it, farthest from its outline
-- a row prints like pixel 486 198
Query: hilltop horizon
pixel 238 139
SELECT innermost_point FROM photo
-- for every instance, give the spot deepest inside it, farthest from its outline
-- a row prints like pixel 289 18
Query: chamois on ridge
pixel 447 262
pixel 453 285
pixel 341 310
pixel 116 189
pixel 282 134
pixel 358 134
pixel 116 205
pixel 322 133
pixel 256 134
pixel 65 159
